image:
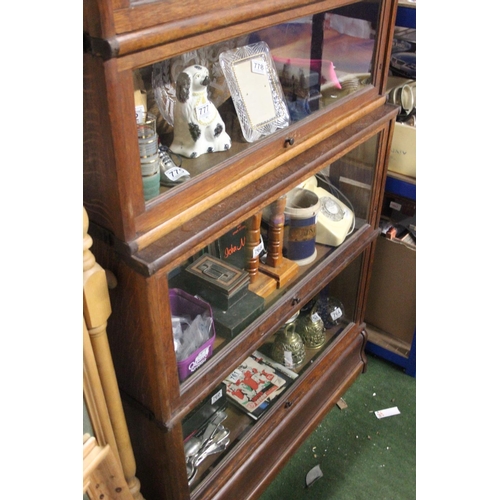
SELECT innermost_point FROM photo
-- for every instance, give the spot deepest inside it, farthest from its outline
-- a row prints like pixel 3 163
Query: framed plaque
pixel 256 90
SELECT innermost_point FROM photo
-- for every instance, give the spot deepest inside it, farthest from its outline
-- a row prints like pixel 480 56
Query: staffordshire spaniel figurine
pixel 198 127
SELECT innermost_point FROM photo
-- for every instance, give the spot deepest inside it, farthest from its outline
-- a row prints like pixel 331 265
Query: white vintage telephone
pixel 335 220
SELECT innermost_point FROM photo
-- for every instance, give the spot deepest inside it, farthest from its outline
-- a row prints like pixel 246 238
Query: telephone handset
pixel 334 218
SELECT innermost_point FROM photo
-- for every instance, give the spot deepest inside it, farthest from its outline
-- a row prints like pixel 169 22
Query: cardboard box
pixel 391 304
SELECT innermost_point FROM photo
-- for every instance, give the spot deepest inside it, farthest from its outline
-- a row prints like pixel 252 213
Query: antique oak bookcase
pixel 340 126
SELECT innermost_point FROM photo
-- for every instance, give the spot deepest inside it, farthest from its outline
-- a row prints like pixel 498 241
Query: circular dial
pixel 331 209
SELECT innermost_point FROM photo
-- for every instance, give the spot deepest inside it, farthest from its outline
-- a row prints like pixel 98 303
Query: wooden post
pixel 277 266
pixel 261 284
pixel 96 311
pixel 94 396
pixel 252 242
pixel 275 233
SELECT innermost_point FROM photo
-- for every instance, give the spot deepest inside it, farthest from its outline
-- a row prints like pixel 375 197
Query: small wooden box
pixel 218 282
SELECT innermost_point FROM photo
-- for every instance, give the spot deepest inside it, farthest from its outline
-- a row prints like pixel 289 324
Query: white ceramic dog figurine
pixel 198 127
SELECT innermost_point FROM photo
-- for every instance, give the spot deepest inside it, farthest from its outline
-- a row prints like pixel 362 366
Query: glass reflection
pixel 319 60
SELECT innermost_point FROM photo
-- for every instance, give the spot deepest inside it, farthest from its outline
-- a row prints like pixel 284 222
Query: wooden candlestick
pixel 275 233
pixel 252 242
pixel 277 266
pixel 261 284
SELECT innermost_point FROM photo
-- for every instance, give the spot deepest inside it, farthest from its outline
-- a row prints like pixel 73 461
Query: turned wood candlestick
pixel 252 243
pixel 277 266
pixel 261 284
pixel 275 233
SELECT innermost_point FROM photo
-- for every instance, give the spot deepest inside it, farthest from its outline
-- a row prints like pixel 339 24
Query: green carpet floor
pixel 360 456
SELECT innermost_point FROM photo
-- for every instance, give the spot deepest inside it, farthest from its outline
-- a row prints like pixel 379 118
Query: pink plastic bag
pixel 323 67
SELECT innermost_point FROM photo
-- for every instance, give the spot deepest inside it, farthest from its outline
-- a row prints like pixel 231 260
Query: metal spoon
pixel 192 446
pixel 220 434
pixel 194 460
pixel 212 450
pixel 212 426
pixel 192 468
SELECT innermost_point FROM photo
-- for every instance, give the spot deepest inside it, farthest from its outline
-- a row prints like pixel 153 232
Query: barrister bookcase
pixel 340 127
